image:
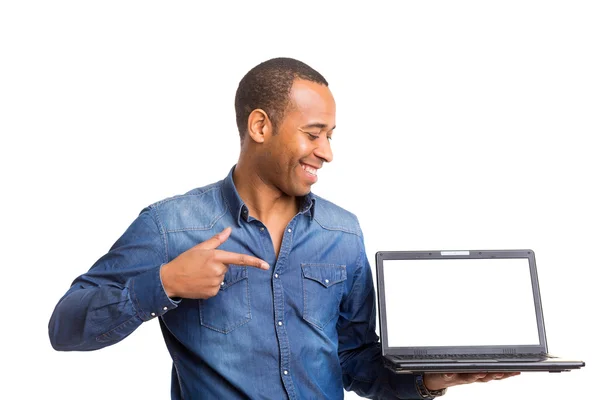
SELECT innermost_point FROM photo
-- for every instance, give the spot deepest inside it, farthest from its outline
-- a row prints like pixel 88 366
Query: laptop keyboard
pixel 472 357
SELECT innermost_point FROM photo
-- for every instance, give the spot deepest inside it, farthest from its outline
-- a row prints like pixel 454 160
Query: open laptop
pixel 463 311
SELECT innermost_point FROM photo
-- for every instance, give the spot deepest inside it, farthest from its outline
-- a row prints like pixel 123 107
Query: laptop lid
pixel 459 302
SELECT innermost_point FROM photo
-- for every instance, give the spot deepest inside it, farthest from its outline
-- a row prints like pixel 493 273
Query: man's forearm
pixel 93 317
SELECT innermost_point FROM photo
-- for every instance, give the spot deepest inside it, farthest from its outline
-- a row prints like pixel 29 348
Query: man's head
pixel 285 115
pixel 267 87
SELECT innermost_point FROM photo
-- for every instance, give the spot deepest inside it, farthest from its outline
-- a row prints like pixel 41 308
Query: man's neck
pixel 265 202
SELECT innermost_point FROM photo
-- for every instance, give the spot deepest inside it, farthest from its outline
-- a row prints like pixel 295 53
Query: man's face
pixel 302 143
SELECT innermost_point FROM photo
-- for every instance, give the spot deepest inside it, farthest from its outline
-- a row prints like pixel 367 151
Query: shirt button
pixel 289 230
pixel 276 275
pixel 222 283
pixel 165 308
pixel 153 314
pixel 326 280
pixel 280 323
pixel 285 372
pixel 262 229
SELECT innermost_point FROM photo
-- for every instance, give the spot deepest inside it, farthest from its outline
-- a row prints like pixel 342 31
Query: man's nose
pixel 323 151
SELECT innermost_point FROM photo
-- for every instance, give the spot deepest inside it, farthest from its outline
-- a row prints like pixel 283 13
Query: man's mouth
pixel 309 169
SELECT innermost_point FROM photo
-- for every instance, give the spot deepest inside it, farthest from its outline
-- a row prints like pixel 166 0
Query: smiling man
pixel 263 290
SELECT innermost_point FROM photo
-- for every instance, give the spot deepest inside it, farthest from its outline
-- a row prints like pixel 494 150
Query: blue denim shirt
pixel 304 329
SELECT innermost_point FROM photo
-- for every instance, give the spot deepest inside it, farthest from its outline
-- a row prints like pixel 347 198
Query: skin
pixel 270 177
pixel 437 381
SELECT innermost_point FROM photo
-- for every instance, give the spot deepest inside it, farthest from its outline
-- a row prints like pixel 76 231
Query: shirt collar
pixel 240 211
pixel 308 205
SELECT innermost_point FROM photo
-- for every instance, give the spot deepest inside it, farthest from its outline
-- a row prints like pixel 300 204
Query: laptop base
pixel 466 366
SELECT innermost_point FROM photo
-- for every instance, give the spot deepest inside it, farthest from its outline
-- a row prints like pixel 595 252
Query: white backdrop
pixel 461 125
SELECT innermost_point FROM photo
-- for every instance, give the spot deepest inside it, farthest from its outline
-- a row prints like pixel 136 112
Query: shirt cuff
pixel 405 386
pixel 148 295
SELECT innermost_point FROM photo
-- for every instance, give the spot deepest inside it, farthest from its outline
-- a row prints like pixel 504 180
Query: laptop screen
pixel 459 302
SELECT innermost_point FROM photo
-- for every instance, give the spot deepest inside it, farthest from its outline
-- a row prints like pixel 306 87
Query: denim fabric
pixel 304 329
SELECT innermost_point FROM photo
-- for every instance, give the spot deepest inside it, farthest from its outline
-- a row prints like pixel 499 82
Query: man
pixel 262 289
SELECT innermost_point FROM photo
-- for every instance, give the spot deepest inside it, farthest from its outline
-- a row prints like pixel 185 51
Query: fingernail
pixel 498 375
pixel 264 265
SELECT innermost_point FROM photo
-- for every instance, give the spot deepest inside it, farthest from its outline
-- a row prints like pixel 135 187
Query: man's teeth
pixel 310 170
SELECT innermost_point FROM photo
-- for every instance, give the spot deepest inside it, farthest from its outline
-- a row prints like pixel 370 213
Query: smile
pixel 310 170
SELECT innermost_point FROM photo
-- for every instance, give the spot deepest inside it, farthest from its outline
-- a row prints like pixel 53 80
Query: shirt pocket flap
pixel 325 274
pixel 233 275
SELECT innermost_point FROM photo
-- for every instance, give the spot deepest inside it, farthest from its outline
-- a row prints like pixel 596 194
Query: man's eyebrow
pixel 316 125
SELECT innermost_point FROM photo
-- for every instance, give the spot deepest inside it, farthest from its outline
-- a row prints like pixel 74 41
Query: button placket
pixel 279 308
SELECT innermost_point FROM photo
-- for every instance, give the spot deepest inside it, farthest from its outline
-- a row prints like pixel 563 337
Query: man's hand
pixel 438 381
pixel 198 272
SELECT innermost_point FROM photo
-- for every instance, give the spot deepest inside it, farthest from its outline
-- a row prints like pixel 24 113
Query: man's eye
pixel 312 137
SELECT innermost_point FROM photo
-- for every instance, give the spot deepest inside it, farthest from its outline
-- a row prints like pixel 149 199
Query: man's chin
pixel 300 191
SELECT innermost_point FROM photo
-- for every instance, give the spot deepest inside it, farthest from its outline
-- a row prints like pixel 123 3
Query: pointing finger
pixel 216 240
pixel 227 257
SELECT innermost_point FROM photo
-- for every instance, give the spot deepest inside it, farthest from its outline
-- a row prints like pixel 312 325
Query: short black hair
pixel 267 86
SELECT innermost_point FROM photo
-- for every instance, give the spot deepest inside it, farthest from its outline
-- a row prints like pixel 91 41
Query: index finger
pixel 227 257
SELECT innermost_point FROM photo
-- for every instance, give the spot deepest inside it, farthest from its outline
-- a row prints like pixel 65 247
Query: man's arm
pixel 121 290
pixel 360 351
pixel 359 348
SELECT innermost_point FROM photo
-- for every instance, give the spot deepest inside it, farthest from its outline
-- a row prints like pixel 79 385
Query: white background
pixel 461 125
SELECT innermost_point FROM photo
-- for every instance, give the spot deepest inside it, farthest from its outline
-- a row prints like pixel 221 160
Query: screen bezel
pixel 463 254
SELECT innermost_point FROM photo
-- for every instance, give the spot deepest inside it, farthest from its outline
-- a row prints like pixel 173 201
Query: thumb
pixel 216 240
pixel 448 377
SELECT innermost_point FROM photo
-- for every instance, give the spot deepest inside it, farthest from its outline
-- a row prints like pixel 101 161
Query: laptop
pixel 463 311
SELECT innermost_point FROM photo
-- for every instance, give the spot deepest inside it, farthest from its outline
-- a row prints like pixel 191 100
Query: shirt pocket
pixel 322 290
pixel 230 308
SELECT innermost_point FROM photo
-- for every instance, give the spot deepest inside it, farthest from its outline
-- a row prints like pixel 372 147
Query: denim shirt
pixel 304 329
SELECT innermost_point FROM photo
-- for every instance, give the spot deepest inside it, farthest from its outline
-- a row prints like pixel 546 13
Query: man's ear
pixel 259 126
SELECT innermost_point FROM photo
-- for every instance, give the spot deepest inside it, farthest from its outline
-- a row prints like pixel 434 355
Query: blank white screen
pixel 452 302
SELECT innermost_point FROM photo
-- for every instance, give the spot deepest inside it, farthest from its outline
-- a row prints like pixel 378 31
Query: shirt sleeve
pixel 121 290
pixel 359 348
